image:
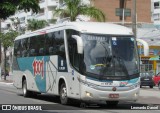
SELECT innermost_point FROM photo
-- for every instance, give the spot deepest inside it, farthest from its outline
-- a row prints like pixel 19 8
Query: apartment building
pixel 113 10
pixel 46 13
pixel 155 11
pixel 47 8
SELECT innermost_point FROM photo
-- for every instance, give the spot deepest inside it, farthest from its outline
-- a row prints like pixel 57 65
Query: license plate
pixel 146 79
pixel 113 95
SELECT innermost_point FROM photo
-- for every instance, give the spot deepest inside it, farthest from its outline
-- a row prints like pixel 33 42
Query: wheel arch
pixel 62 80
pixel 23 78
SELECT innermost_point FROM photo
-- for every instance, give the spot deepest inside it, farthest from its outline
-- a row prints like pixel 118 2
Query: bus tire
pixel 63 94
pixel 26 93
pixel 159 86
pixel 151 86
pixel 112 103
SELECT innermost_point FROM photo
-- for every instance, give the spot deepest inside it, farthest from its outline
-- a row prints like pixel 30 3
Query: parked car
pixel 146 79
pixel 156 80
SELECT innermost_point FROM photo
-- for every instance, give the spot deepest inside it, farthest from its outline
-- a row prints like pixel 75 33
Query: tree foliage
pixel 34 24
pixel 7 39
pixel 73 8
pixel 9 7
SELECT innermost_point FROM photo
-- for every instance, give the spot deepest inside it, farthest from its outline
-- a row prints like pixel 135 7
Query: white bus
pixel 88 61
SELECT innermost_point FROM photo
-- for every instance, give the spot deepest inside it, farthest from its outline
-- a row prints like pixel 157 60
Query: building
pixel 146 28
pixel 155 11
pixel 47 8
pixel 46 13
pixel 114 10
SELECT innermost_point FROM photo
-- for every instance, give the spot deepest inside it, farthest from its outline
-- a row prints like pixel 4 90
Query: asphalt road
pixel 10 96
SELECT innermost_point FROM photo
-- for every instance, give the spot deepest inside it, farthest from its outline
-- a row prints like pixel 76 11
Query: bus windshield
pixel 110 57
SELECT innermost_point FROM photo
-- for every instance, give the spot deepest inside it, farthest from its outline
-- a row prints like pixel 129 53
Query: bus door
pixel 73 64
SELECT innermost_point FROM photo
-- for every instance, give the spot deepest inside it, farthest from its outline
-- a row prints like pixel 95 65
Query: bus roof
pixel 84 27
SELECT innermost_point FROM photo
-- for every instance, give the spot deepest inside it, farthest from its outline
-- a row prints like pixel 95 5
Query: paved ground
pixel 9 79
pixel 10 95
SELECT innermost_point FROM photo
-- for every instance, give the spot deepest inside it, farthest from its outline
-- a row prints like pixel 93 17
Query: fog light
pixel 88 94
pixel 136 94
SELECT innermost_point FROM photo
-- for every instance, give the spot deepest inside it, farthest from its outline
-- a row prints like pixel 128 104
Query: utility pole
pixel 134 17
pixel 0 54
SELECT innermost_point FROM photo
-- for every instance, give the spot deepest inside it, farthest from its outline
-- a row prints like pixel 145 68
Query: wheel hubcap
pixel 64 93
pixel 24 89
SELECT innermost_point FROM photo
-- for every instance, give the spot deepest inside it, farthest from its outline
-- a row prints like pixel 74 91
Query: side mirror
pixel 79 43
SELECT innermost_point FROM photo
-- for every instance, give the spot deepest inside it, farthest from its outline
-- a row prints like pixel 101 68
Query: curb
pixel 5 83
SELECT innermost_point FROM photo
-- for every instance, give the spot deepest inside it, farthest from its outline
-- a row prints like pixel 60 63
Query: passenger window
pixel 37 45
pixel 55 44
pixel 17 48
pixel 25 47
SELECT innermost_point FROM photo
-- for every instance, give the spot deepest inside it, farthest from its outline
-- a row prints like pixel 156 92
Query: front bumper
pixel 92 94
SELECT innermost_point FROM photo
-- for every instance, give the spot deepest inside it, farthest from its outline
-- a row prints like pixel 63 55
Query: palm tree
pixel 73 8
pixel 34 24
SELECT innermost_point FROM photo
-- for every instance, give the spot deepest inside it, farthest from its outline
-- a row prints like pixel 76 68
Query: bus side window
pixel 59 38
pixel 55 44
pixel 32 46
pixel 17 48
pixel 41 51
pixel 37 45
pixel 50 46
pixel 32 52
pixel 41 44
pixel 25 48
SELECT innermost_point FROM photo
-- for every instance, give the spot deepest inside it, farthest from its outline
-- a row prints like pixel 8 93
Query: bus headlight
pixel 88 94
pixel 134 86
pixel 136 94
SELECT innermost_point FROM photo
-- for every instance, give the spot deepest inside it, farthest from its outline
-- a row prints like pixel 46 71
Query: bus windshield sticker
pixel 114 38
pixel 99 38
pixel 114 42
pixel 92 67
pixel 132 39
pixel 62 65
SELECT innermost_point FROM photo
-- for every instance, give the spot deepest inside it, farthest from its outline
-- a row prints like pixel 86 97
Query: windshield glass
pixel 110 56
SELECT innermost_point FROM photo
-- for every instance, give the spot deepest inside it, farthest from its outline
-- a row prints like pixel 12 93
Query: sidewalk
pixel 9 79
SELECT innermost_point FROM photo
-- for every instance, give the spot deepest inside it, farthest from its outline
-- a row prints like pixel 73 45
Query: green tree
pixel 9 7
pixel 7 40
pixel 36 24
pixel 73 8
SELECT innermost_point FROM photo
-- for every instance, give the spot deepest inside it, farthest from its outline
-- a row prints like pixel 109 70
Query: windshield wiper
pixel 107 55
pixel 121 62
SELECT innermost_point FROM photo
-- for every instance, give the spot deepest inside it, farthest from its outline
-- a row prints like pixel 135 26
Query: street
pixel 10 96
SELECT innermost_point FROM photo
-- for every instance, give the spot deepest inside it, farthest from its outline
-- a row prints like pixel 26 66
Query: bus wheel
pixel 151 86
pixel 112 103
pixel 63 94
pixel 159 86
pixel 26 93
